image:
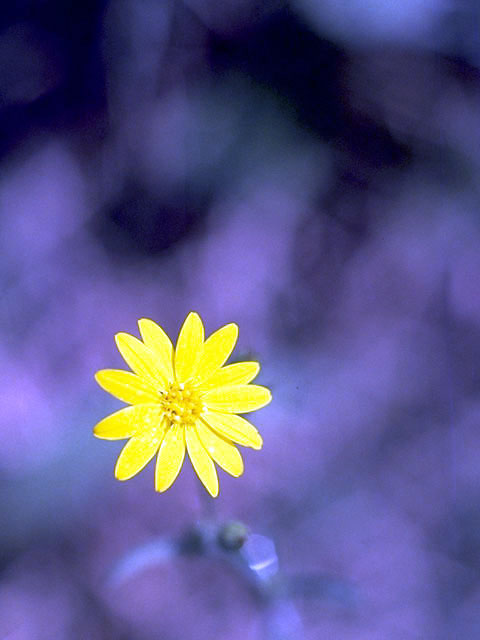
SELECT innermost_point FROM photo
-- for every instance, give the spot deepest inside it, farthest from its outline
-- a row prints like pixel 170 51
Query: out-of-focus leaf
pixel 144 557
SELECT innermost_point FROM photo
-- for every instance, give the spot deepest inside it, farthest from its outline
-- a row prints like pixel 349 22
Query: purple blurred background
pixel 309 170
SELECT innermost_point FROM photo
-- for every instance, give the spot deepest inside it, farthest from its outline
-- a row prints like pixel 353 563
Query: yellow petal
pixel 159 344
pixel 189 347
pixel 233 374
pixel 126 386
pixel 222 451
pixel 129 421
pixel 170 458
pixel 216 350
pixel 202 462
pixel 237 399
pixel 140 359
pixel 234 428
pixel 138 452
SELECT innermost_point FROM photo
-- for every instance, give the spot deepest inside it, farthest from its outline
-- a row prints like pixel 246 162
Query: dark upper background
pixel 309 170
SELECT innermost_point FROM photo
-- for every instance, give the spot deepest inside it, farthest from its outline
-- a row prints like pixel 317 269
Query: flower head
pixel 181 400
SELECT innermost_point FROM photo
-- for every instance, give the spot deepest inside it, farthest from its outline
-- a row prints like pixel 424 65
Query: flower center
pixel 181 403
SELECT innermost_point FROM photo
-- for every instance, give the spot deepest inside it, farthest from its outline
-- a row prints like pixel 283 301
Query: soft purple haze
pixel 310 171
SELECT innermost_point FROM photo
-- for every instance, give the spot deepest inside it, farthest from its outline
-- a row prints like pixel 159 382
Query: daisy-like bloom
pixel 181 400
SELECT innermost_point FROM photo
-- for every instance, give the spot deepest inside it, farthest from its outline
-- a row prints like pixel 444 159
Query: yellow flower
pixel 182 399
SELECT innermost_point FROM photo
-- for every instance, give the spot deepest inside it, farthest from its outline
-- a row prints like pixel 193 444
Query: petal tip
pixel 193 316
pixel 165 486
pixel 257 445
pixel 238 473
pixel 95 432
pixel 118 337
pixel 125 474
pixel 268 396
pixel 213 491
pixel 234 328
pixel 99 431
pixel 145 322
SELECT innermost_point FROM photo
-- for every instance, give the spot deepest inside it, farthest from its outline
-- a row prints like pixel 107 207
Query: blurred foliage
pixel 309 170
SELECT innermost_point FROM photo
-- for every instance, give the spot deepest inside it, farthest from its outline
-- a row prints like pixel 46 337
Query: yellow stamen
pixel 181 403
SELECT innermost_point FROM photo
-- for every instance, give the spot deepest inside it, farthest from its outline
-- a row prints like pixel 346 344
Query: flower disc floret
pixel 181 403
